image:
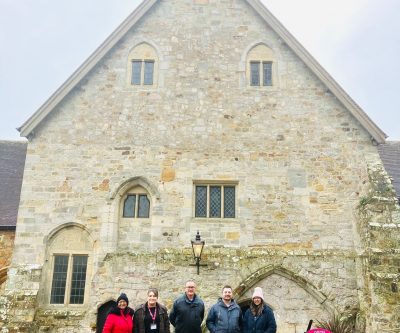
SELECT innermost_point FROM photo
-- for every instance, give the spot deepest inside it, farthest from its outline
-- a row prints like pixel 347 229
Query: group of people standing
pixel 187 314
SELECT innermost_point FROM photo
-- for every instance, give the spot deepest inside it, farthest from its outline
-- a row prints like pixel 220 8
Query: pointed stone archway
pixel 293 299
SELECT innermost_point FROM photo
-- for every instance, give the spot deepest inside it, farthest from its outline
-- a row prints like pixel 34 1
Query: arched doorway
pixel 293 300
pixel 244 305
pixel 102 313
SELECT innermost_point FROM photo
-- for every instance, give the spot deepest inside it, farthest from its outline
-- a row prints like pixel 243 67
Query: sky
pixel 42 42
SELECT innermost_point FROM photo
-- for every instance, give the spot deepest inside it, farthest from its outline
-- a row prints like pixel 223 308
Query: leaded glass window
pixel 229 201
pixel 59 279
pixel 148 72
pixel 72 283
pixel 136 206
pixel 136 72
pixel 201 201
pixel 254 73
pixel 78 279
pixel 144 206
pixel 142 72
pixel 267 73
pixel 129 206
pixel 215 201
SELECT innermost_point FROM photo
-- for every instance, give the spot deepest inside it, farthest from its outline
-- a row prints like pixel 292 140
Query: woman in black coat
pixel 259 318
pixel 151 317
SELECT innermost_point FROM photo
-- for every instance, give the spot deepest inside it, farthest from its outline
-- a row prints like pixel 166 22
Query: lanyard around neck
pixel 153 315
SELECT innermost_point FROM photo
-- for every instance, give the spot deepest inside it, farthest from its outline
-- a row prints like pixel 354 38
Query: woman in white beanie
pixel 259 318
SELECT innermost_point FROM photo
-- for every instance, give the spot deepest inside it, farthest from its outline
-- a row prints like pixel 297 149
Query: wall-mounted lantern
pixel 197 247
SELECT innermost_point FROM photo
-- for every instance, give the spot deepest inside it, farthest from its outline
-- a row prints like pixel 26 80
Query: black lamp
pixel 197 247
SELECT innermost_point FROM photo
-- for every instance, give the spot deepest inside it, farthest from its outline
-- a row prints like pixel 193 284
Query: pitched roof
pixel 12 162
pixel 29 126
pixel 390 155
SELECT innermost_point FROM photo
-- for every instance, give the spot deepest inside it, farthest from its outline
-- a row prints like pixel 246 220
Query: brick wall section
pixel 6 250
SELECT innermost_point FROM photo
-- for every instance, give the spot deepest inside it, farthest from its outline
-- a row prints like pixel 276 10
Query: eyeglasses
pixel 190 287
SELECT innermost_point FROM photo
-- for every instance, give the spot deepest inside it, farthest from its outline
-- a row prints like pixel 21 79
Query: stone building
pixel 203 115
pixel 12 160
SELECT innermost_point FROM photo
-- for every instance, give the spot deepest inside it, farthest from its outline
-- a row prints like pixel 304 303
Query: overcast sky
pixel 44 41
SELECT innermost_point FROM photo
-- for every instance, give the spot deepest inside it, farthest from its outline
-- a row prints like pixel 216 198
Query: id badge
pixel 153 326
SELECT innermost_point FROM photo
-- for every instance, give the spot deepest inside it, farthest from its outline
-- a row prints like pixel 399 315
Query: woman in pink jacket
pixel 120 318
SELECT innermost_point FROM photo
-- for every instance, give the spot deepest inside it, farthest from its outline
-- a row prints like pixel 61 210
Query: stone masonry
pixel 300 161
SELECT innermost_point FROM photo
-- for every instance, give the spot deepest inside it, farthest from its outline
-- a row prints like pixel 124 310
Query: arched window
pixel 136 203
pixel 260 66
pixel 69 257
pixel 143 66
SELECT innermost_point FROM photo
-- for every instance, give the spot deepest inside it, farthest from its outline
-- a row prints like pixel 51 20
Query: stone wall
pixel 380 224
pixel 297 156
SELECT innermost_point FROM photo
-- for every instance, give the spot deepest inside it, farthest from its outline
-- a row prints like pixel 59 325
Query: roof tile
pixel 12 162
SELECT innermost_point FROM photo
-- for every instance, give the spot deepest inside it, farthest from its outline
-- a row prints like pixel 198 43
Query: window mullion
pixel 208 201
pixel 136 205
pixel 142 72
pixel 69 279
pixel 222 201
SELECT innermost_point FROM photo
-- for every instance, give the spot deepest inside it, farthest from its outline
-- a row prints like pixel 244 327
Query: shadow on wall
pixel 102 313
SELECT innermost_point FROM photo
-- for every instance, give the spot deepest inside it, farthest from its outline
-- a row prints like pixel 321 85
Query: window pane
pixel 254 73
pixel 229 201
pixel 78 279
pixel 148 72
pixel 59 279
pixel 215 201
pixel 144 206
pixel 201 201
pixel 136 71
pixel 129 206
pixel 267 73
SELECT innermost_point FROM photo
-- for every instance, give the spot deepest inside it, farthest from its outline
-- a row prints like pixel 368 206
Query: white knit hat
pixel 258 293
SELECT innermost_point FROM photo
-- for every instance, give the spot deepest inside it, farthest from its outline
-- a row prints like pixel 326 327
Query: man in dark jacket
pixel 188 311
pixel 225 316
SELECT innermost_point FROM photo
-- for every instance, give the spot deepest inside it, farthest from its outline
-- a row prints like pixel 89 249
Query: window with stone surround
pixel 136 203
pixel 69 279
pixel 143 66
pixel 68 266
pixel 215 200
pixel 260 66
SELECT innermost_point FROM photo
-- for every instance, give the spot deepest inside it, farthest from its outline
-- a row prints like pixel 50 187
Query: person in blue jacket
pixel 225 316
pixel 259 318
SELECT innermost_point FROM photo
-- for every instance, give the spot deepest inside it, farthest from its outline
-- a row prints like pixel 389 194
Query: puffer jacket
pixel 265 323
pixel 162 312
pixel 224 319
pixel 187 316
pixel 119 321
